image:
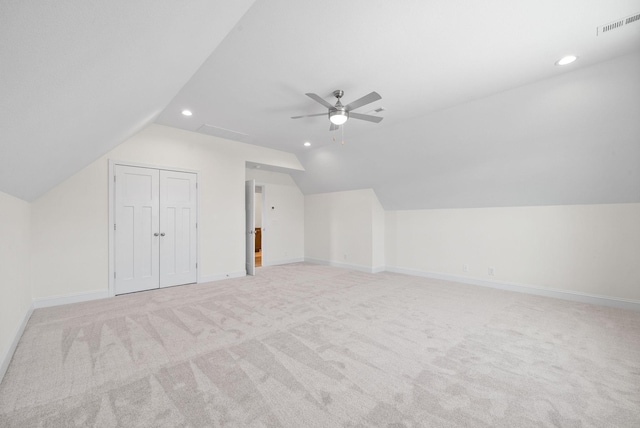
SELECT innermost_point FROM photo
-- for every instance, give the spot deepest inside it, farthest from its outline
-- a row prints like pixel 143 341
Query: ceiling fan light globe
pixel 338 117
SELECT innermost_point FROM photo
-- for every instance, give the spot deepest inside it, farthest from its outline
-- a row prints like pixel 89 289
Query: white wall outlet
pixel 492 271
pixel 465 268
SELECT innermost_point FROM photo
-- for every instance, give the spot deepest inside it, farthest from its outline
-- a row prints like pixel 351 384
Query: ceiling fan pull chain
pixel 342 129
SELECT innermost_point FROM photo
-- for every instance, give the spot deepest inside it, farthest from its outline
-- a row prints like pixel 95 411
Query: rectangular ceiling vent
pixel 617 24
pixel 375 110
pixel 227 134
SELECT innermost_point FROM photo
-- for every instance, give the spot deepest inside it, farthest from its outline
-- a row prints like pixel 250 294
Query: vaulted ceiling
pixel 476 113
pixel 79 77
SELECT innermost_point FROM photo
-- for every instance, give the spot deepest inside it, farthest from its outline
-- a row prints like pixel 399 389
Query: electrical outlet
pixel 465 268
pixel 492 271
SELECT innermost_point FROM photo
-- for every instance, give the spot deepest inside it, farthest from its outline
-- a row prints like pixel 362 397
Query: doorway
pixel 255 230
pixel 258 224
pixel 154 237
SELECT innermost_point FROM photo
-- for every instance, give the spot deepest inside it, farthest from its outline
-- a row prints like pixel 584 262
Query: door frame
pixel 249 227
pixel 112 214
pixel 264 220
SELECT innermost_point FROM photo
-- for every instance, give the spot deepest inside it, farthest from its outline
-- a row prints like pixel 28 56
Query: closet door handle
pixel 162 234
pixel 155 234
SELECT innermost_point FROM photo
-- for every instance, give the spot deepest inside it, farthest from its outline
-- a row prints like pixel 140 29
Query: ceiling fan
pixel 338 114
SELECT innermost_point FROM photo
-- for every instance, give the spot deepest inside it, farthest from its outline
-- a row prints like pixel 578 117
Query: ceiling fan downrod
pixel 338 115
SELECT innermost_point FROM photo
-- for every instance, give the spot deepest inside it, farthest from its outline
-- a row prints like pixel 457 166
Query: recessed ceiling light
pixel 186 112
pixel 566 60
pixel 307 144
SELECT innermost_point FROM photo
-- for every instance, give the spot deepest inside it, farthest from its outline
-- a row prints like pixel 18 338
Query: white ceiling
pixel 476 112
pixel 459 80
pixel 78 77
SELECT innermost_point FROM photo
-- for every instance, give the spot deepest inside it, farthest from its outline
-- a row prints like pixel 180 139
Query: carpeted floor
pixel 303 345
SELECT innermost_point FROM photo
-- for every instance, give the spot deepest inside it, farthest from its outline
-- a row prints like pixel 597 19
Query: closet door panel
pixel 178 207
pixel 136 223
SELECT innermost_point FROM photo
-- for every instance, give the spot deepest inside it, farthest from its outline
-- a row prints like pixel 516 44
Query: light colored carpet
pixel 313 346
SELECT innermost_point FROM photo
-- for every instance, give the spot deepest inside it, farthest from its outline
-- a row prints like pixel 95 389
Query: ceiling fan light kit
pixel 339 114
pixel 338 117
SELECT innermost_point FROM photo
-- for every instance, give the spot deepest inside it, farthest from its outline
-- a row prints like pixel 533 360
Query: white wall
pixel 339 229
pixel 377 235
pixel 585 249
pixel 283 228
pixel 15 295
pixel 70 223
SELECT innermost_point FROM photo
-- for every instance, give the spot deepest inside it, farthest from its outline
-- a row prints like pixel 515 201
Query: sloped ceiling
pixel 79 77
pixel 476 112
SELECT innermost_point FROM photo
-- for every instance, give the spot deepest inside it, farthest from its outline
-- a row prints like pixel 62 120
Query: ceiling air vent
pixel 617 24
pixel 224 133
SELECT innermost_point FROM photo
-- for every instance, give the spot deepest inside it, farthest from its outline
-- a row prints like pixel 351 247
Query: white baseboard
pixel 6 358
pixel 282 262
pixel 528 289
pixel 221 276
pixel 360 268
pixel 45 302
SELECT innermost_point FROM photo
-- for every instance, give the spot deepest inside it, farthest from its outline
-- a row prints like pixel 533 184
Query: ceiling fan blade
pixel 334 127
pixel 373 96
pixel 309 115
pixel 368 117
pixel 319 99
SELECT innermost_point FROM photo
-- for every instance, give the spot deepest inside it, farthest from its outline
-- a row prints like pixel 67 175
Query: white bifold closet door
pixel 177 228
pixel 155 228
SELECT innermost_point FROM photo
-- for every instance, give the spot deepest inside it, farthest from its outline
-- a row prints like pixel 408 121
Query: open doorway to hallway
pixel 259 194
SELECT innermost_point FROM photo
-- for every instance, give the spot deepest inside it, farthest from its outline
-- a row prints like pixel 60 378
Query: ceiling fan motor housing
pixel 338 115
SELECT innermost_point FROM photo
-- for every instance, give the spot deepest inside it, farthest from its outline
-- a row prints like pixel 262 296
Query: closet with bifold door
pixel 155 228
